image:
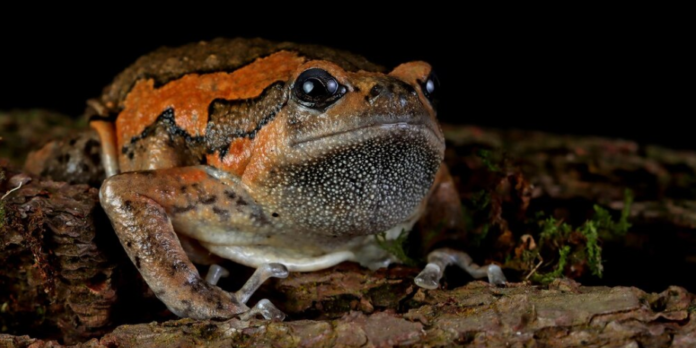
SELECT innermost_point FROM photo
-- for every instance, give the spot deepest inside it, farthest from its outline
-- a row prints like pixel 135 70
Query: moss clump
pixel 396 247
pixel 556 273
pixel 558 235
pixel 606 224
pixel 488 160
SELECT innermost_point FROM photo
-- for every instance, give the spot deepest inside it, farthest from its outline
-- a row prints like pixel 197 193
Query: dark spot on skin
pixel 137 262
pixel 196 285
pixel 195 185
pixel 208 199
pixel 230 194
pixel 128 205
pixel 129 244
pixel 224 124
pixel 241 201
pixel 176 268
pixel 275 215
pixel 180 210
pixel 131 155
pixel 124 150
pixel 219 305
pixel 183 188
pixel 72 142
pixel 222 213
pixel 188 305
pixel 92 150
pixel 259 217
pixel 356 89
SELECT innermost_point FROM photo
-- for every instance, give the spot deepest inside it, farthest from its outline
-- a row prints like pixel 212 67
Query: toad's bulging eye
pixel 431 87
pixel 316 88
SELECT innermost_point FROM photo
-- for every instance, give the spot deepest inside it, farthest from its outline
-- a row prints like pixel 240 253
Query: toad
pixel 279 156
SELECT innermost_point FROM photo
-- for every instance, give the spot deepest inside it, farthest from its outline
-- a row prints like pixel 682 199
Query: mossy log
pixel 562 315
pixel 65 278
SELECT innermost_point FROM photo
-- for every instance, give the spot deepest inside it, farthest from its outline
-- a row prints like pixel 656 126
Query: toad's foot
pixel 269 270
pixel 439 259
pixel 215 272
pixel 264 307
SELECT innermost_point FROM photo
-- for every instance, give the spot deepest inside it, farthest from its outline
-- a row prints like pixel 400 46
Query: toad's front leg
pixel 142 207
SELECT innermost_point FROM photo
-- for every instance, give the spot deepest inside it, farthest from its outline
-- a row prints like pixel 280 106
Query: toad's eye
pixel 431 87
pixel 316 88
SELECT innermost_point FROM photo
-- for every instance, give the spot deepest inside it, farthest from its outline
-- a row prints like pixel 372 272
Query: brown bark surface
pixel 65 279
pixel 563 315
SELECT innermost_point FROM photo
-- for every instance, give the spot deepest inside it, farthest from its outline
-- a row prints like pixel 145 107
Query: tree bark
pixel 65 278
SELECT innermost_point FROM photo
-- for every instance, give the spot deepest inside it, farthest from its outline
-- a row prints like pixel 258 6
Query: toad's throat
pixel 358 187
pixel 379 127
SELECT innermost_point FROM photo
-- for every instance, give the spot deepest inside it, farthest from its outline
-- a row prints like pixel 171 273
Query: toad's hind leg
pixel 145 207
pixel 148 237
pixel 439 259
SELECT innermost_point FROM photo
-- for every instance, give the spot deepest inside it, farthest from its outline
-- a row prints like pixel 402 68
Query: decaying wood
pixel 56 278
pixel 64 277
pixel 568 175
pixel 564 315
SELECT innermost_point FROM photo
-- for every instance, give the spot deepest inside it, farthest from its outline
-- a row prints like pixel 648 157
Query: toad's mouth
pixel 430 130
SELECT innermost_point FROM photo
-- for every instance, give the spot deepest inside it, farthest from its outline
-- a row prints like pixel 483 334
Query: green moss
pixel 557 235
pixel 556 273
pixel 480 200
pixel 592 248
pixel 607 226
pixel 486 157
pixel 396 247
pixel 553 230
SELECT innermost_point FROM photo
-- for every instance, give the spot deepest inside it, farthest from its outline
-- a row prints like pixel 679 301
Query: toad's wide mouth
pixel 375 128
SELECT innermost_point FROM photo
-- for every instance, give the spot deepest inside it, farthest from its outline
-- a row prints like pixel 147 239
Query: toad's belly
pixel 299 252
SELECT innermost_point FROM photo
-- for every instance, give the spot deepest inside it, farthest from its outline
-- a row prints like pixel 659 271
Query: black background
pixel 614 74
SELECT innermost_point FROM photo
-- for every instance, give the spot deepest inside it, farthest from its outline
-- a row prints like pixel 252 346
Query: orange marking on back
pixel 191 95
pixel 192 176
pixel 236 159
pixel 269 143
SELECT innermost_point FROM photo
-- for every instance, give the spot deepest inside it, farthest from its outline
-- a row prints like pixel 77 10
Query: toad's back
pixel 205 102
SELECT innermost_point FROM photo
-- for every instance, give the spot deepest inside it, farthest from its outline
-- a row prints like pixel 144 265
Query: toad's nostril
pixel 376 91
